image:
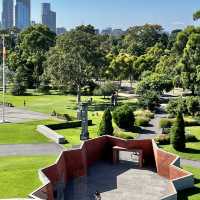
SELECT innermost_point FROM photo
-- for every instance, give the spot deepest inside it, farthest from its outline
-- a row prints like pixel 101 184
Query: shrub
pixel 144 113
pixel 177 105
pixel 149 100
pixel 71 124
pixel 163 139
pixel 124 117
pixel 105 90
pixel 105 127
pixel 178 133
pixel 142 121
pixel 44 88
pixel 191 138
pixel 18 89
pixel 166 123
pixel 193 105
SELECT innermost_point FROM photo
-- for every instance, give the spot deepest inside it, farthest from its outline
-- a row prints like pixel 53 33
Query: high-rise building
pixel 60 30
pixel 7 14
pixel 22 13
pixel 48 17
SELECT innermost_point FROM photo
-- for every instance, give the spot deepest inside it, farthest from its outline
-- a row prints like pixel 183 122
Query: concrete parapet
pixel 49 133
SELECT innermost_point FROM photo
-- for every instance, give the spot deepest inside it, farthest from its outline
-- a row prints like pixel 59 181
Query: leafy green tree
pixel 105 127
pixel 121 67
pixel 29 53
pixel 155 82
pixel 190 64
pixel 178 133
pixel 196 15
pixel 139 38
pixel 74 60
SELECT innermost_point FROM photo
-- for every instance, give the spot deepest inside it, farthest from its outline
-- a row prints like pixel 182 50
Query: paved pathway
pixel 192 163
pixel 15 115
pixel 30 149
pixel 120 182
pixel 153 129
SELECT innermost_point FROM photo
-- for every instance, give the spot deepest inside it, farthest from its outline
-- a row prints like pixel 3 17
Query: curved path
pixel 15 115
pixel 30 149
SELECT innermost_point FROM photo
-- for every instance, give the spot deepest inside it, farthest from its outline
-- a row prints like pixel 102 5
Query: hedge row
pixel 168 123
pixel 71 124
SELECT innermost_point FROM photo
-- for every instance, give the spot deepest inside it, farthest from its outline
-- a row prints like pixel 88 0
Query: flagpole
pixel 4 87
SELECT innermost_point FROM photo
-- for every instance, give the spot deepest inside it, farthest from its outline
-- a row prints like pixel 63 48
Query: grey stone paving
pixel 192 163
pixel 118 182
pixel 15 115
pixel 30 149
pixel 153 129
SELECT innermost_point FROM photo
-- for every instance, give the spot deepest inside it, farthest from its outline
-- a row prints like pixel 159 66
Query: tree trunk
pixel 78 94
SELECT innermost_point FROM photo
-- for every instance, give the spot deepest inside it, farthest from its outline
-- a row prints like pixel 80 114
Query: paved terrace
pixel 118 182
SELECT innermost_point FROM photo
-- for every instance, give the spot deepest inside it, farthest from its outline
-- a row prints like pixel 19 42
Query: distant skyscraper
pixel 7 14
pixel 60 30
pixel 22 13
pixel 48 16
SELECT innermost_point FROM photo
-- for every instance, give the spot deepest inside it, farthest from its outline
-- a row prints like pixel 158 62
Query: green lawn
pixel 194 193
pixel 65 104
pixel 19 175
pixel 23 133
pixel 192 151
pixel 59 103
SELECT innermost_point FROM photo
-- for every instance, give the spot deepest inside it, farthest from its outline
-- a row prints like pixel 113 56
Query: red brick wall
pixel 74 163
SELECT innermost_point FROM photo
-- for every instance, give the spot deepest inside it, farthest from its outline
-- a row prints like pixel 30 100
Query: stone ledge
pixel 49 133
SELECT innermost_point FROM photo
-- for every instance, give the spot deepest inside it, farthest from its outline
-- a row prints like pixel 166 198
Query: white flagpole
pixel 4 84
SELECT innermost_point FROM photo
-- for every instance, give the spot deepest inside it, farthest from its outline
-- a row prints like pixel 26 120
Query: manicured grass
pixel 60 103
pixel 192 151
pixel 194 193
pixel 23 133
pixel 65 104
pixel 19 175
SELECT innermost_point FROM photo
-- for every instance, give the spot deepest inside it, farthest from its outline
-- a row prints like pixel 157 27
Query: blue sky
pixel 170 14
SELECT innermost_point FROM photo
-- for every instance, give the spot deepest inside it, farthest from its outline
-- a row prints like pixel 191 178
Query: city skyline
pixel 120 14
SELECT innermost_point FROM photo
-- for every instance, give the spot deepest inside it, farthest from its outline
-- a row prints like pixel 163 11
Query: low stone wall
pixel 74 163
pixel 168 165
pixel 49 133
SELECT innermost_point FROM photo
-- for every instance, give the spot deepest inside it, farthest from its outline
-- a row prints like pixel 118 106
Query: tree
pixel 178 133
pixel 190 64
pixel 29 53
pixel 139 38
pixel 196 15
pixel 105 127
pixel 74 59
pixel 157 83
pixel 121 67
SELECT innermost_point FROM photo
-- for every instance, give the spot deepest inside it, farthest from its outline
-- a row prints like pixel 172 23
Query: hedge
pixel 71 124
pixel 142 121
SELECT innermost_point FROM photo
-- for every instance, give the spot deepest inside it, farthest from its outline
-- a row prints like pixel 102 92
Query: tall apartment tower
pixel 22 13
pixel 48 17
pixel 7 14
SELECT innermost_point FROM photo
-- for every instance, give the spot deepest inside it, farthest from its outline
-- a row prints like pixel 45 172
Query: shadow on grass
pixel 192 151
pixel 185 194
